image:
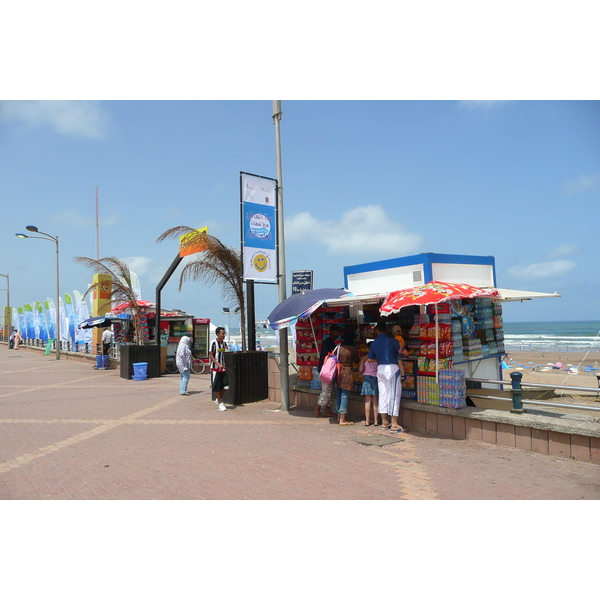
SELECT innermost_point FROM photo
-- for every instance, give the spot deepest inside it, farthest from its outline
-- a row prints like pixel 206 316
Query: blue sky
pixel 448 128
pixel 363 181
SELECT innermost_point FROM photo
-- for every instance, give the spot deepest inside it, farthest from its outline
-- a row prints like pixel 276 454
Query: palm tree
pixel 121 288
pixel 215 263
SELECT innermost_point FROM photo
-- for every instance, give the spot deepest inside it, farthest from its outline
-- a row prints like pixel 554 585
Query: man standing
pixel 326 395
pixel 220 381
pixel 390 372
pixel 107 338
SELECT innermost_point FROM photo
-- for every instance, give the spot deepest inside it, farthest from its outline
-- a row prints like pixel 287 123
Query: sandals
pixel 384 428
pixel 346 423
pixel 399 430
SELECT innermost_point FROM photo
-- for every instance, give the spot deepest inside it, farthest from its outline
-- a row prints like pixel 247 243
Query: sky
pixel 415 137
pixel 362 181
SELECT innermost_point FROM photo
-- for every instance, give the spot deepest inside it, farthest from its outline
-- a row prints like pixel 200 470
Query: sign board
pixel 302 281
pixel 259 227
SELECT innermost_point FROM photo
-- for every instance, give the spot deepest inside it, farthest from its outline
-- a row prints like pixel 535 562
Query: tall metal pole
pixel 284 367
pixel 58 303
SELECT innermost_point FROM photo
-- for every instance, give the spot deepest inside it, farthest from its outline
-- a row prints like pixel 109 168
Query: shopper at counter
pixel 345 382
pixel 326 395
pixel 386 351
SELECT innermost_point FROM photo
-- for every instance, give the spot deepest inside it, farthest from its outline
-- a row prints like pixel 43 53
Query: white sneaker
pixel 222 406
pixel 216 401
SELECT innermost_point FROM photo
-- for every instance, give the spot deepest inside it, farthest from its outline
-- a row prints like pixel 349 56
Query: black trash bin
pixel 130 354
pixel 248 377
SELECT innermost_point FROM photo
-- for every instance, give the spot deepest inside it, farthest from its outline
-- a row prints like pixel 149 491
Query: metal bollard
pixel 517 393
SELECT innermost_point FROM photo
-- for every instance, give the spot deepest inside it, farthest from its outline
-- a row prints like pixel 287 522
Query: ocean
pixel 549 336
pixel 564 336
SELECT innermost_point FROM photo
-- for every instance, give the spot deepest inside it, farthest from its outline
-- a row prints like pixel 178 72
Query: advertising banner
pixel 259 227
pixel 81 335
pixel 28 310
pixel 64 323
pixel 41 319
pixel 70 316
pixel 22 323
pixel 51 317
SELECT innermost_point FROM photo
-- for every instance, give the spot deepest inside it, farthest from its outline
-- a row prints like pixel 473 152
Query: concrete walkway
pixel 68 431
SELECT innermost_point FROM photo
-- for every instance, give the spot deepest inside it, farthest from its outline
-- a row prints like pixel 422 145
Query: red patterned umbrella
pixel 431 293
pixel 140 303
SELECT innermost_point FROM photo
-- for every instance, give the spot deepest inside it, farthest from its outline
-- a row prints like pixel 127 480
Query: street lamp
pixel 55 240
pixel 9 311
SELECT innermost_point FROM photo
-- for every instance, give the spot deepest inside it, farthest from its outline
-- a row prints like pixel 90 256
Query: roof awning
pixel 358 300
pixel 520 295
pixel 505 295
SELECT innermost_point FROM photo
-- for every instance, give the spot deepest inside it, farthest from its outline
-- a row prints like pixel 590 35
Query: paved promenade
pixel 68 431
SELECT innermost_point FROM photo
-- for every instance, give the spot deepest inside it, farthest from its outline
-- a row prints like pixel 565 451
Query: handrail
pixel 517 393
pixel 540 385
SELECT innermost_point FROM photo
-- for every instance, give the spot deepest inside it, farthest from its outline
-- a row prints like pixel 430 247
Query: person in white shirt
pixel 107 339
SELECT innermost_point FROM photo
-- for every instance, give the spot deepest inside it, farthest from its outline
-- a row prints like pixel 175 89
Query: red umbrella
pixel 431 293
pixel 140 303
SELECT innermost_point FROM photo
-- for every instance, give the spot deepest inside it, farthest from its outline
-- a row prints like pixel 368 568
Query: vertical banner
pixel 85 335
pixel 70 316
pixel 28 310
pixel 22 323
pixel 64 323
pixel 259 227
pixel 51 317
pixel 41 319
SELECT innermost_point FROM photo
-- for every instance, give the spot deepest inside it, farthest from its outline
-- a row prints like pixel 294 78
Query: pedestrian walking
pixel 18 340
pixel 183 360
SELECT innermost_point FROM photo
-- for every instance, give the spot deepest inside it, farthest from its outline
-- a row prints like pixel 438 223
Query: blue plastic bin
pixel 140 371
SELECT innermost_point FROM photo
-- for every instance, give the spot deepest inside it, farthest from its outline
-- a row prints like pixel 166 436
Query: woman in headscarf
pixel 183 360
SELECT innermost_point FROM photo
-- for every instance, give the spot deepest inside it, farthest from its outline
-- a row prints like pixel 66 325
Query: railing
pixel 517 393
pixel 69 346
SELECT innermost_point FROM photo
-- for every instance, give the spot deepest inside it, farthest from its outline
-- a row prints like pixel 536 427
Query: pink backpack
pixel 329 370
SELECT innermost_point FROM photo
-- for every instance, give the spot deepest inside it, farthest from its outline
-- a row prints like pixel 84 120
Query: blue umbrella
pixel 300 306
pixel 95 322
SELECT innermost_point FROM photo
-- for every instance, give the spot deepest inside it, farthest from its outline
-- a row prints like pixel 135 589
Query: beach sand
pixel 531 374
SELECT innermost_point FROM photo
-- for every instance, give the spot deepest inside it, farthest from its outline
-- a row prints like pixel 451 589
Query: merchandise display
pixel 454 333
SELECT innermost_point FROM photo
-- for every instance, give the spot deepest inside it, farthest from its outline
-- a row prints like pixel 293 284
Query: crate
pixel 140 371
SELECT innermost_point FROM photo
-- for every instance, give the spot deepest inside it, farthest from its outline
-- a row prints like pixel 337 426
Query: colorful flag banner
pixel 51 317
pixel 259 227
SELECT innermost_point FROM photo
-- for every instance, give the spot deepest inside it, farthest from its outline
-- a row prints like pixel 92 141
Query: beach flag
pixel 51 317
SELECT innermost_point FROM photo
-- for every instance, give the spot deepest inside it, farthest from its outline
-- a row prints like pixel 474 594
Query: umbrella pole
pixel 437 346
pixel 314 336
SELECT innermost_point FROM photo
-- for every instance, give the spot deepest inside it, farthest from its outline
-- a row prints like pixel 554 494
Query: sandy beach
pixel 533 374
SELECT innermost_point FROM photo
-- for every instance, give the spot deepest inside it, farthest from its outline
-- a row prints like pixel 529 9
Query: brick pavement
pixel 68 431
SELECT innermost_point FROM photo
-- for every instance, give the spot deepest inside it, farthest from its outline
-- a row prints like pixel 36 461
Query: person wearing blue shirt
pixel 388 354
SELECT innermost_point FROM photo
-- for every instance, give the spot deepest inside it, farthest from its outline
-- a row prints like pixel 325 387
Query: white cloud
pixel 581 184
pixel 563 250
pixel 542 270
pixel 83 118
pixel 365 230
pixel 140 265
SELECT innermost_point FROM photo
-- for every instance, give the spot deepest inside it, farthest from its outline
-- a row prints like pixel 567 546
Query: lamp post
pixel 7 326
pixel 282 284
pixel 47 236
